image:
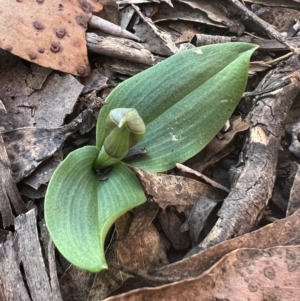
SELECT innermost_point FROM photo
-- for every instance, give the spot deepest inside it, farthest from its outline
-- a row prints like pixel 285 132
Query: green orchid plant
pixel 173 110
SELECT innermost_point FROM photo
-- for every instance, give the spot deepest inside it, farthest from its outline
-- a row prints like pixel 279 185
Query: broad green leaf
pixel 184 101
pixel 71 212
pixel 120 193
pixel 79 209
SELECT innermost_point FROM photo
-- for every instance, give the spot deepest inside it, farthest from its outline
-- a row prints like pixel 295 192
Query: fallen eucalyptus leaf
pixel 171 190
pixel 48 33
pixel 244 274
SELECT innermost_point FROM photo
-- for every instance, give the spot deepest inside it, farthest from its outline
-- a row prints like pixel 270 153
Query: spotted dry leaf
pixel 48 33
pixel 244 274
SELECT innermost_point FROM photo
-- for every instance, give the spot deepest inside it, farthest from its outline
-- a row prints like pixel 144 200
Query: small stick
pixel 202 176
pixel 269 28
pixel 111 28
pixel 155 279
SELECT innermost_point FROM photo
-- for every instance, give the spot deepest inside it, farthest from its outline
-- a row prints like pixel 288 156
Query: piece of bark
pixel 277 3
pixel 198 217
pixel 14 92
pixel 42 175
pixel 281 18
pixel 26 107
pixel 294 199
pixel 127 68
pixel 155 40
pixel 9 194
pixel 39 74
pixel 27 148
pixel 21 256
pixel 255 177
pixel 55 100
pixel 97 80
pixel 264 44
pixel 295 143
pixel 119 48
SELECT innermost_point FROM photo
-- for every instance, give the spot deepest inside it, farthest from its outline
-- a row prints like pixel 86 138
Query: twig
pixel 111 28
pixel 269 28
pixel 253 180
pixel 202 176
pixel 283 57
pixel 150 278
pixel 120 48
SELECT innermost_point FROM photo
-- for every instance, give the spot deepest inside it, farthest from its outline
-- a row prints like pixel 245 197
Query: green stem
pixel 104 160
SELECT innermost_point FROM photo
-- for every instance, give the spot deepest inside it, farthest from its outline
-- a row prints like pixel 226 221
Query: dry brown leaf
pixel 138 247
pixel 218 148
pixel 48 33
pixel 157 41
pixel 214 11
pixel 171 225
pixel 187 35
pixel 244 274
pixel 281 232
pixel 143 251
pixel 75 284
pixel 182 12
pixel 170 190
pixel 141 248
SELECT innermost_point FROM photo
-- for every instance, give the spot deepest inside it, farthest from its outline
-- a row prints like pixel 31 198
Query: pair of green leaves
pixel 184 101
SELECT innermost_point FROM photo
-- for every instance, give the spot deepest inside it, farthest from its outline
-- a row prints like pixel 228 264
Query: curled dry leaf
pixel 48 33
pixel 141 247
pixel 157 41
pixel 244 274
pixel 198 217
pixel 138 247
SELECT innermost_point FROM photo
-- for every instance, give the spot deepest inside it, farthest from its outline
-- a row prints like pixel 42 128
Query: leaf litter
pixel 151 245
